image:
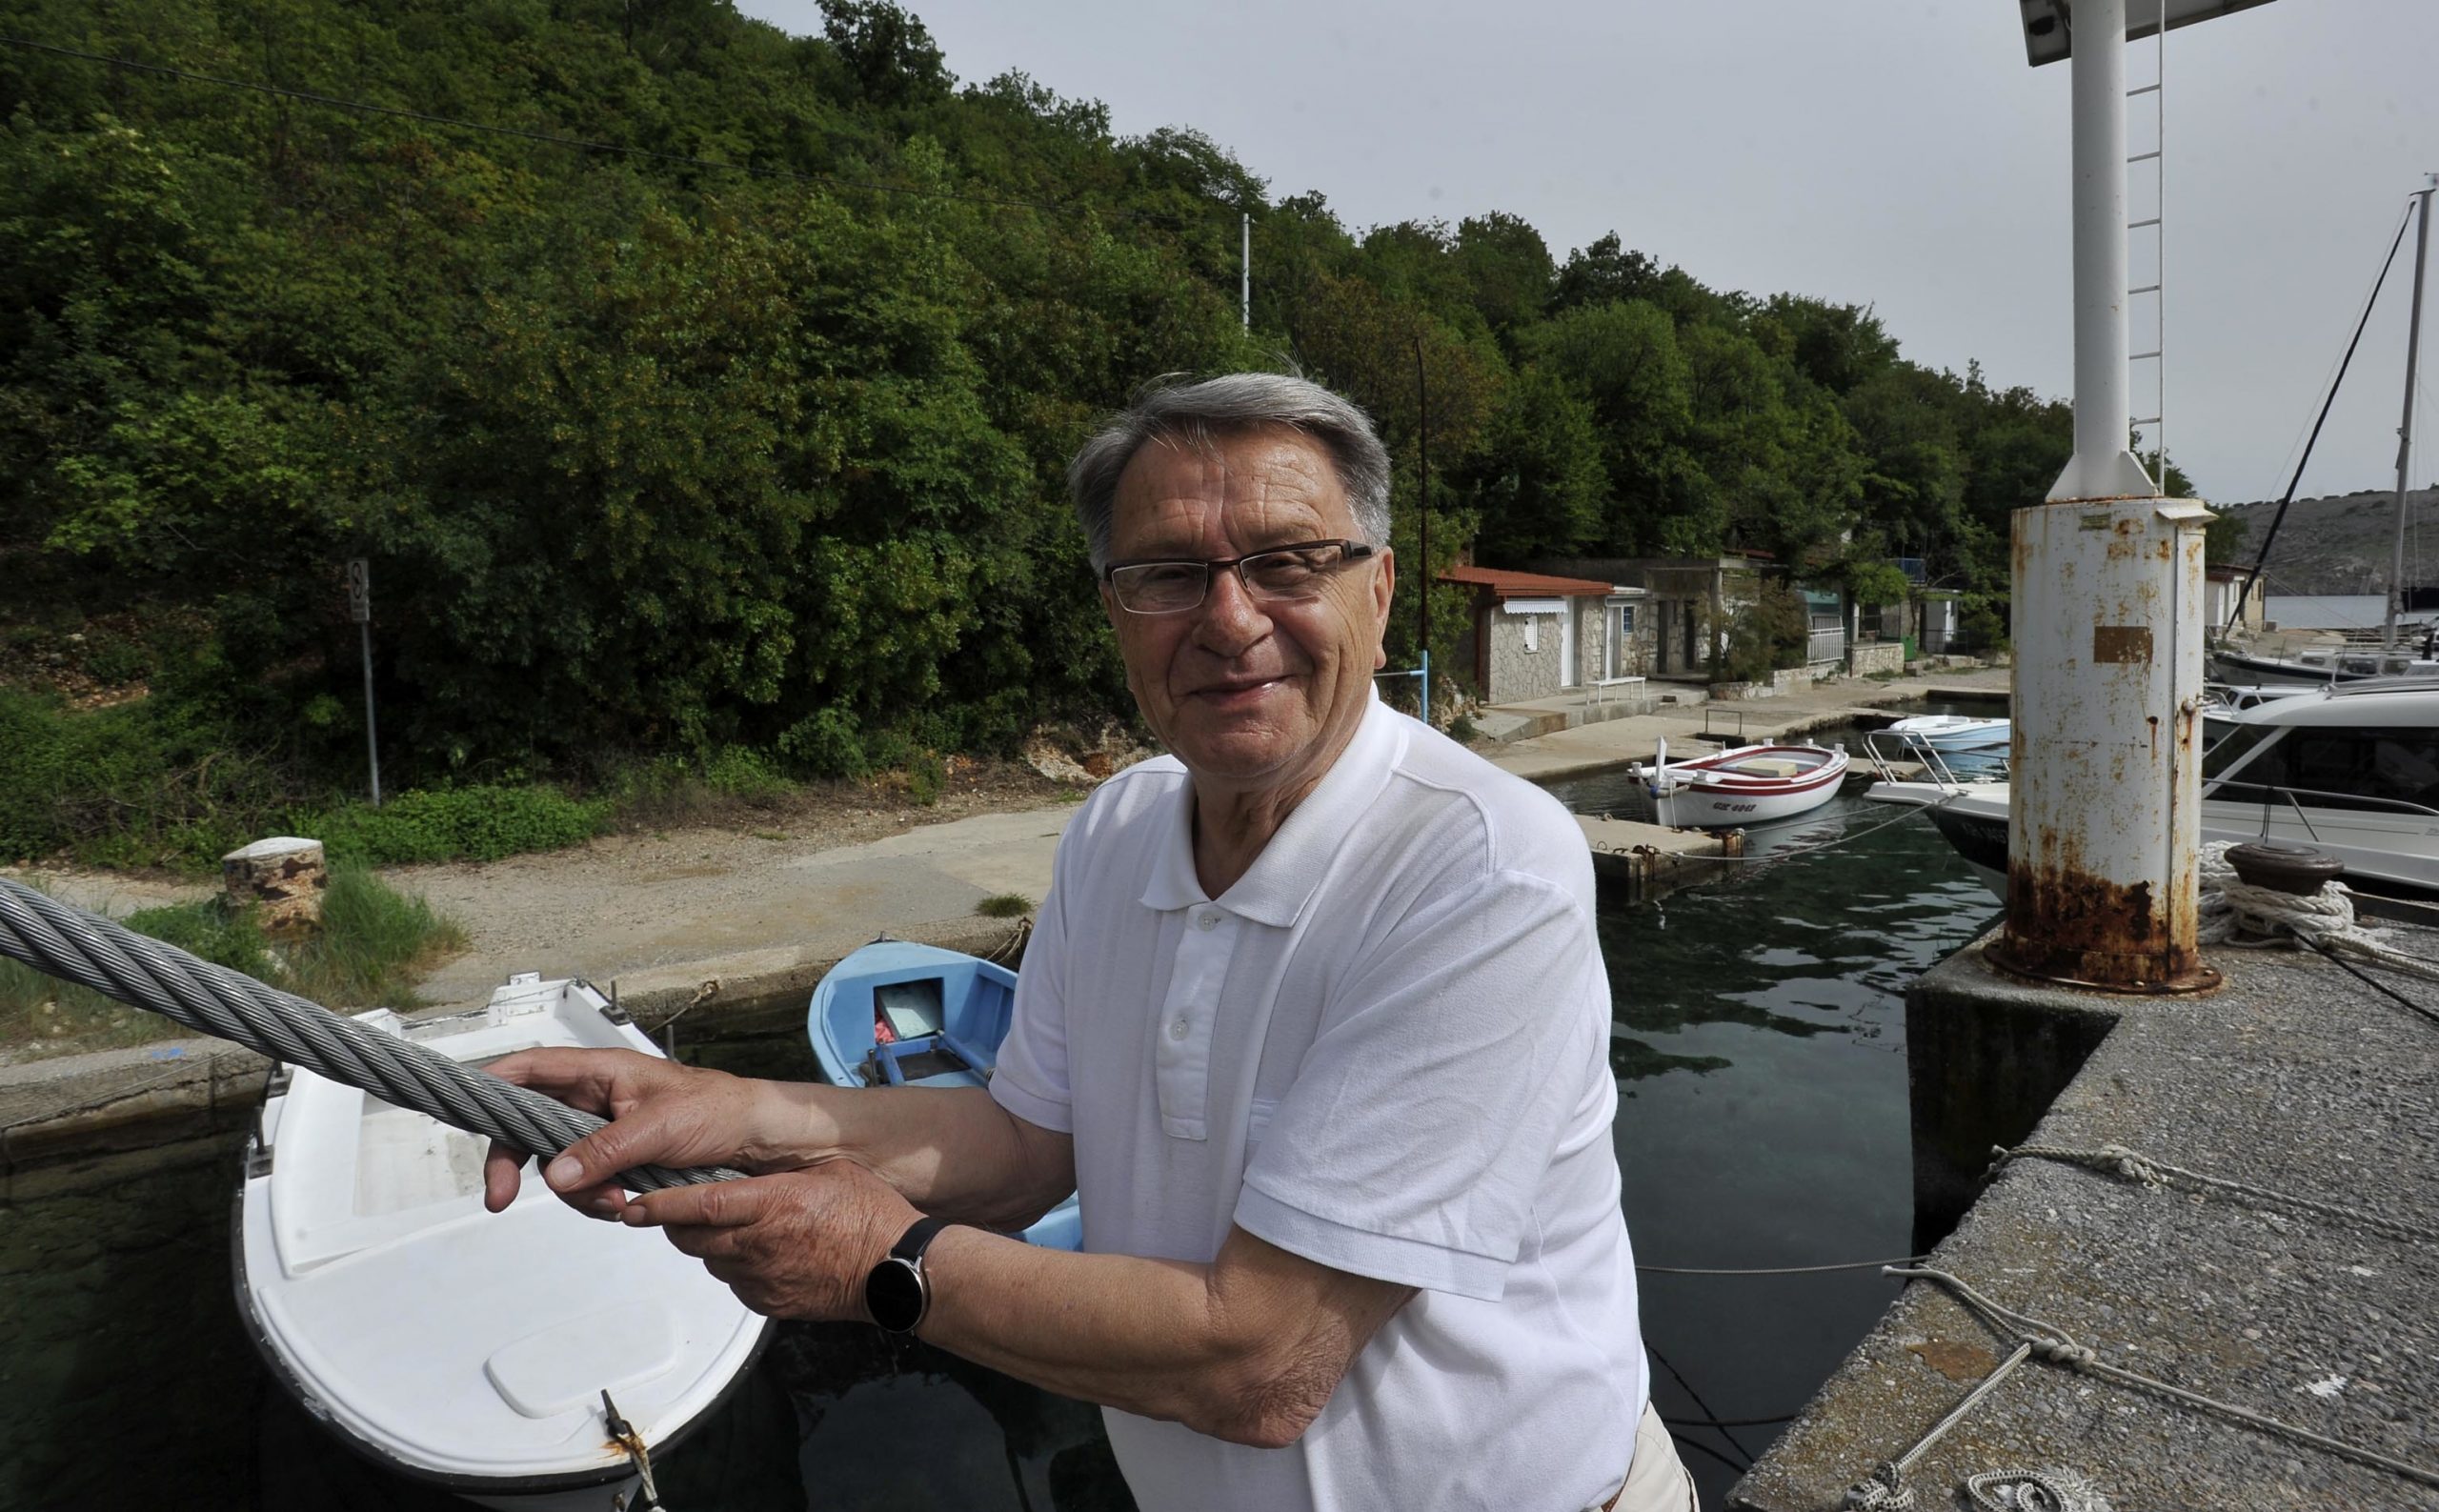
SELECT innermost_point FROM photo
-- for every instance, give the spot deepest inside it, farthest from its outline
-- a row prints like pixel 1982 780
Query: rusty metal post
pixel 2104 813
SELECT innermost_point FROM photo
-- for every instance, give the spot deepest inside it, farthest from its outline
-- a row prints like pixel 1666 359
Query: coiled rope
pixel 67 942
pixel 2231 908
pixel 1884 1489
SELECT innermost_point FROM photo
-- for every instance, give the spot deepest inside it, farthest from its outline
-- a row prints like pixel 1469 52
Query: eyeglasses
pixel 1283 575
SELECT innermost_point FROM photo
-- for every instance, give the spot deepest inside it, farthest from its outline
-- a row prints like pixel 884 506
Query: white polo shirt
pixel 1385 1048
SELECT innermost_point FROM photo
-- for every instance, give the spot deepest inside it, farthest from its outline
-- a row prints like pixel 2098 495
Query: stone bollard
pixel 284 876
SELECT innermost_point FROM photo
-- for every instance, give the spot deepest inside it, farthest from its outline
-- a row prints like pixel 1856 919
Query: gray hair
pixel 1171 408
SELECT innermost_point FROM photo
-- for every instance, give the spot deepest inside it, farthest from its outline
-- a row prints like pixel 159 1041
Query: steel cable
pixel 73 945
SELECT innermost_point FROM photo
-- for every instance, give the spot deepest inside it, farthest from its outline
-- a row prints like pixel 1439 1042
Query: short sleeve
pixel 1415 1138
pixel 1031 1078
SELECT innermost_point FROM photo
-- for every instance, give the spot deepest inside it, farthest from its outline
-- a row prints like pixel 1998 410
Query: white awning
pixel 1535 606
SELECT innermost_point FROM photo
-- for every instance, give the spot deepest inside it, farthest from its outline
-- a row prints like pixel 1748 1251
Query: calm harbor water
pixel 1759 1047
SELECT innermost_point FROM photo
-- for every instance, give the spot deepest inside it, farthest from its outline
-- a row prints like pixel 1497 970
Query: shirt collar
pixel 1284 876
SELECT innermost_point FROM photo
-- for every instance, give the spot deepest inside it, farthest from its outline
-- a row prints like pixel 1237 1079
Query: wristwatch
pixel 897 1294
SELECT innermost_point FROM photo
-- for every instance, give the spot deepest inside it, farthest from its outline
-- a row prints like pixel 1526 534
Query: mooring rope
pixel 1775 1270
pixel 1885 1490
pixel 2116 1160
pixel 67 942
pixel 1791 853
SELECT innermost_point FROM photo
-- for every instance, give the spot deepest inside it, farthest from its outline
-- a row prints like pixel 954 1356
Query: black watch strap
pixel 917 1238
pixel 898 1292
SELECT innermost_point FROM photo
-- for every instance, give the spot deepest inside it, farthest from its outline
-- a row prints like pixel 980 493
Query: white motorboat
pixel 1953 732
pixel 1754 784
pixel 457 1347
pixel 2351 770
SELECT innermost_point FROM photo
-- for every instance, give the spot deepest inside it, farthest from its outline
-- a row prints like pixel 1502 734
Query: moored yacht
pixel 2351 770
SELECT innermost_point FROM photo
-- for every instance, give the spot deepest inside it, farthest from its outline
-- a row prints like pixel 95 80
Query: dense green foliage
pixel 654 457
pixel 478 823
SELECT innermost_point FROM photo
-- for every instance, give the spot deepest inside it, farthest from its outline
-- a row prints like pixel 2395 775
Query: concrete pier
pixel 1649 859
pixel 2295 1078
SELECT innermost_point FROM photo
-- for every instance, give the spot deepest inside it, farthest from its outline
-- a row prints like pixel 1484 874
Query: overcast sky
pixel 1897 153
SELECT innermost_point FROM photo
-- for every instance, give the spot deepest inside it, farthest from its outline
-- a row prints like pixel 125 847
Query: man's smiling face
pixel 1249 695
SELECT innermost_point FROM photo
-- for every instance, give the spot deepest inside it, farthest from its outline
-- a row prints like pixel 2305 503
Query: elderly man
pixel 1314 1019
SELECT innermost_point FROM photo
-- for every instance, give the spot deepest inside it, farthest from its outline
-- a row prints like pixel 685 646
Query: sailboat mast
pixel 2404 428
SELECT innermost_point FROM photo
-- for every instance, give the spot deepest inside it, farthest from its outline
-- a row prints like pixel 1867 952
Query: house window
pixel 1531 611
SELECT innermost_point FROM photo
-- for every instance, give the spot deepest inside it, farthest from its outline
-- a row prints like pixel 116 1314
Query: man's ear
pixel 1384 592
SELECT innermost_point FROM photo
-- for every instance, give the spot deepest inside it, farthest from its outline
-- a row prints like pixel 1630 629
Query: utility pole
pixel 1422 513
pixel 1245 268
pixel 2405 427
pixel 359 607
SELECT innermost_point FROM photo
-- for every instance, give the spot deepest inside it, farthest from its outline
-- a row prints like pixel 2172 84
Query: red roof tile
pixel 1523 585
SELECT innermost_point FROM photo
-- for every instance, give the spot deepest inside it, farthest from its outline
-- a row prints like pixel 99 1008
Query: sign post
pixel 359 608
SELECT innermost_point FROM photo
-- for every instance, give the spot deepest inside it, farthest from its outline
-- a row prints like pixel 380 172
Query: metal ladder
pixel 2154 426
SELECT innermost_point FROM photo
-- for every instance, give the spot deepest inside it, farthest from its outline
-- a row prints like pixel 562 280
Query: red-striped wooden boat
pixel 1753 785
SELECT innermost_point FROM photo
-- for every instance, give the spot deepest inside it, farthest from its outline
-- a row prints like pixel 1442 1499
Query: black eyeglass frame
pixel 1349 552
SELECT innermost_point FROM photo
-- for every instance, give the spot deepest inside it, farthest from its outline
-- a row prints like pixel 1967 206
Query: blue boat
pixel 897 1013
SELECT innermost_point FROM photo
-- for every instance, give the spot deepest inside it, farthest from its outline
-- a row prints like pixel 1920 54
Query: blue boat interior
pixel 898 1013
pixel 918 1016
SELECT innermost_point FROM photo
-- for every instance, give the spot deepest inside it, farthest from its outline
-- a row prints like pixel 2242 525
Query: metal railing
pixel 1423 672
pixel 1893 752
pixel 2270 793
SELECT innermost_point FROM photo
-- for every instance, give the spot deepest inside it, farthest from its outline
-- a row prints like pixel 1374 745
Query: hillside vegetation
pixel 2343 543
pixel 735 437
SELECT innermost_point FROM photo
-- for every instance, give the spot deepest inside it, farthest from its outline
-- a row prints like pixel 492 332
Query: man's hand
pixel 665 1115
pixel 796 1245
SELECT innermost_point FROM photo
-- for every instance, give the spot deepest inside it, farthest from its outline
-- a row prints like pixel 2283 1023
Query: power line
pixel 575 143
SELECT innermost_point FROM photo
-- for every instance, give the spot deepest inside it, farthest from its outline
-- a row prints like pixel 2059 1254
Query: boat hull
pixel 1949 733
pixel 457 1347
pixel 898 1013
pixel 1975 825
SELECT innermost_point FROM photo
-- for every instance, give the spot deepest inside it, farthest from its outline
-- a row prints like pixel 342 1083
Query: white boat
pixel 2320 666
pixel 1954 732
pixel 456 1348
pixel 1754 784
pixel 2351 770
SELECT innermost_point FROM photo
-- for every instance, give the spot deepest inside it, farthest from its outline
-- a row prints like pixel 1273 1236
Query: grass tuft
pixel 374 943
pixel 1004 905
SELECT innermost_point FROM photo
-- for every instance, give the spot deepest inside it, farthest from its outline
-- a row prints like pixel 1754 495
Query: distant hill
pixel 2341 543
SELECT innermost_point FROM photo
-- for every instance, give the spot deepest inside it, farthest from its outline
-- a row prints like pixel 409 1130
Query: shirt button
pixel 1178 1027
pixel 1206 920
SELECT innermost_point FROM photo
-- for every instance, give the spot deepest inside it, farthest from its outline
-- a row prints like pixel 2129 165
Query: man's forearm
pixel 952 1151
pixel 1247 1349
pixel 1124 1332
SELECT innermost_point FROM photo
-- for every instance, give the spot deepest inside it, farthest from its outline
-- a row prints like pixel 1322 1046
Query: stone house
pixel 1540 634
pixel 1688 601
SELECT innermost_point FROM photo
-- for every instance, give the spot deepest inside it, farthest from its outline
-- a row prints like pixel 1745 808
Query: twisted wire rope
pixel 68 942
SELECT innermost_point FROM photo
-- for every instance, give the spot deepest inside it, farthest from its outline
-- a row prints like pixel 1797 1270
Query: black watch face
pixel 894 1294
